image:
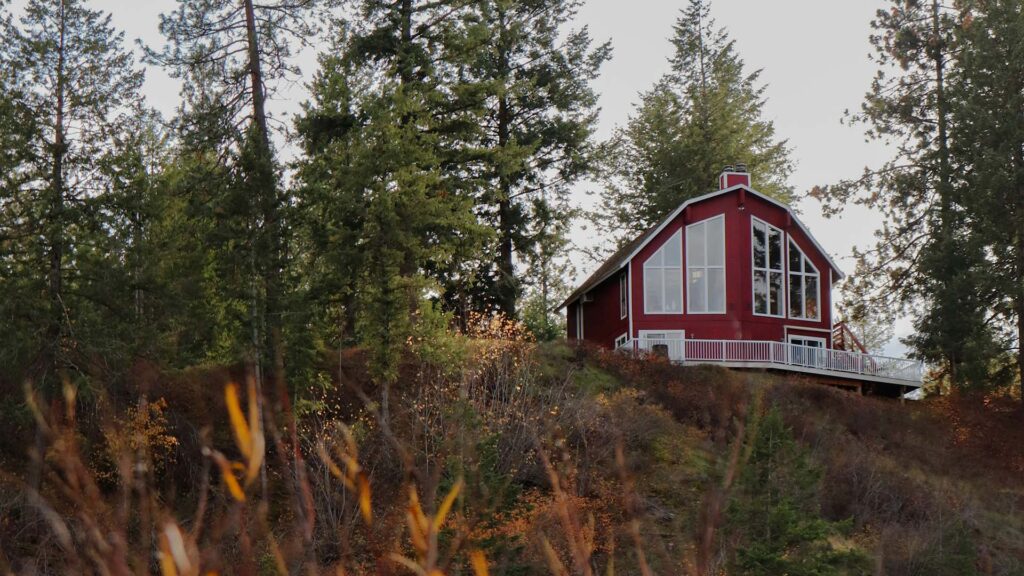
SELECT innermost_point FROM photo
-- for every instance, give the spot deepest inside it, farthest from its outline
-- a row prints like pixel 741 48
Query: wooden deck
pixel 878 372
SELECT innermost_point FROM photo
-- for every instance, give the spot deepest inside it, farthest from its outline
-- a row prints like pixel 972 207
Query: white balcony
pixel 783 356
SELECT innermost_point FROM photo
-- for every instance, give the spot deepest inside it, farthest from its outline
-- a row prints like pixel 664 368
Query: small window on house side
pixel 768 278
pixel 621 341
pixel 803 285
pixel 663 278
pixel 705 266
pixel 623 295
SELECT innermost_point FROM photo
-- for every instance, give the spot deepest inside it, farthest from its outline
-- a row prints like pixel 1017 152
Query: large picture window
pixel 768 279
pixel 663 278
pixel 705 266
pixel 803 285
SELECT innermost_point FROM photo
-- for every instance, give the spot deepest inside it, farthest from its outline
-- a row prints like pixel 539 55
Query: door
pixel 667 343
pixel 807 351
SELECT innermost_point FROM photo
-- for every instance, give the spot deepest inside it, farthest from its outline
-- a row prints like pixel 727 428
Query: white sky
pixel 814 59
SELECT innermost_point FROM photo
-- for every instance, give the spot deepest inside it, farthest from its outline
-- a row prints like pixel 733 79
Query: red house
pixel 731 277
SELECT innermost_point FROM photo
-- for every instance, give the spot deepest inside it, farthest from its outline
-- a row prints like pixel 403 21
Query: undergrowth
pixel 491 454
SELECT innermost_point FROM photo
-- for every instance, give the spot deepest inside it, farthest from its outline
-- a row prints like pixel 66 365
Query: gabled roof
pixel 623 255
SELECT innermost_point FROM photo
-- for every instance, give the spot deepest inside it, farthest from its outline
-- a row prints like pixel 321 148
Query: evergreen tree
pixel 539 113
pixel 705 114
pixel 774 510
pixel 232 55
pixel 988 134
pixel 76 89
pixel 547 269
pixel 384 129
pixel 925 255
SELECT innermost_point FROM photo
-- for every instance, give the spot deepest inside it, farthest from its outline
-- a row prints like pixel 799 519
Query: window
pixel 623 295
pixel 705 266
pixel 809 341
pixel 766 243
pixel 803 285
pixel 621 341
pixel 663 278
pixel 579 320
pixel 807 351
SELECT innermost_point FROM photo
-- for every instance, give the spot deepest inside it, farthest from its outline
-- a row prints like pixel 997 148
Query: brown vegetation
pixel 493 455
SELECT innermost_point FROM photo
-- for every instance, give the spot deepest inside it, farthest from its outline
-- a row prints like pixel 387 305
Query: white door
pixel 807 351
pixel 663 342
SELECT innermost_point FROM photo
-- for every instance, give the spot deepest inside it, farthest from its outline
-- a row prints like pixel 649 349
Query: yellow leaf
pixel 364 498
pixel 243 437
pixel 419 541
pixel 407 563
pixel 166 563
pixel 256 460
pixel 446 505
pixel 331 466
pixel 554 563
pixel 229 477
pixel 416 511
pixel 479 562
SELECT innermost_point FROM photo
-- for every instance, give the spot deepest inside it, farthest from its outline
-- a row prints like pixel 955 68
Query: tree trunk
pixel 268 319
pixel 56 225
pixel 946 225
pixel 507 286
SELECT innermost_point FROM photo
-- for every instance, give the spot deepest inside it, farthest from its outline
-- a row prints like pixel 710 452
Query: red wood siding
pixel 601 321
pixel 602 324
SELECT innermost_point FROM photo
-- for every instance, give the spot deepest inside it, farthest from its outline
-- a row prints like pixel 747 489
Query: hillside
pixel 556 460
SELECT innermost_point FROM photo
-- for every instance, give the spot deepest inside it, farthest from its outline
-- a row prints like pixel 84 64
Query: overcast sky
pixel 814 59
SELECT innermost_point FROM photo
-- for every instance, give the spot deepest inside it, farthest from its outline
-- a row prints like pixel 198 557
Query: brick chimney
pixel 733 175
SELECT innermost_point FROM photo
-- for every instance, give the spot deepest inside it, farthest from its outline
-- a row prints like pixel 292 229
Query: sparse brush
pixel 496 464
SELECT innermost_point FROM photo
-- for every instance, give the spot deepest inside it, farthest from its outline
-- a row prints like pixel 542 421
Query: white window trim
pixel 724 268
pixel 784 304
pixel 673 335
pixel 622 339
pixel 677 237
pixel 816 274
pixel 791 337
pixel 623 296
pixel 579 319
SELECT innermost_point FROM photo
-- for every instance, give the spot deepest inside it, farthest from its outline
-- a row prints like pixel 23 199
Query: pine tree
pixel 384 130
pixel 547 269
pixel 774 510
pixel 925 256
pixel 78 87
pixel 232 55
pixel 705 114
pixel 988 135
pixel 539 114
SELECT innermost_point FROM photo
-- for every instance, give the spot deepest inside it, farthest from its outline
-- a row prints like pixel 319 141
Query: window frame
pixel 790 244
pixel 623 295
pixel 767 269
pixel 677 236
pixel 817 339
pixel 706 267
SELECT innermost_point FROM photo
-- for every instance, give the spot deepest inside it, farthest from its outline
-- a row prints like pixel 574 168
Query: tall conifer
pixel 705 114
pixel 75 88
pixel 926 257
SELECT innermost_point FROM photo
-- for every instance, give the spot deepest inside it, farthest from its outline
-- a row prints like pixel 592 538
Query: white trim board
pixel 833 267
pixel 710 195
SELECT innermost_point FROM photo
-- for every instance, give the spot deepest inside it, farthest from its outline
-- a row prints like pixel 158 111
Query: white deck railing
pixel 782 355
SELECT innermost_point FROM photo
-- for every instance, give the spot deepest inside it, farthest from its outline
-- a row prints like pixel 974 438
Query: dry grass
pixel 507 459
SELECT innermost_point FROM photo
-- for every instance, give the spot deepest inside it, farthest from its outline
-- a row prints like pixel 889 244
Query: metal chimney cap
pixel 728 168
pixel 741 167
